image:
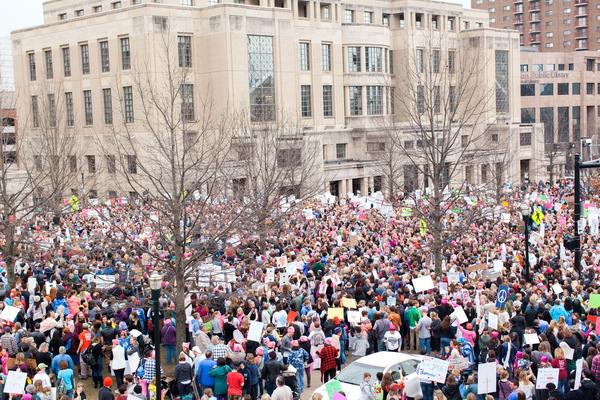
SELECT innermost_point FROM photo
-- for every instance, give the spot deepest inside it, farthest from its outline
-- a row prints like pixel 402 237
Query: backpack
pixel 140 371
pixel 88 358
pixel 61 389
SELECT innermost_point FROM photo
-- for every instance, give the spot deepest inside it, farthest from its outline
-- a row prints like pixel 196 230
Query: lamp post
pixel 526 213
pixel 155 286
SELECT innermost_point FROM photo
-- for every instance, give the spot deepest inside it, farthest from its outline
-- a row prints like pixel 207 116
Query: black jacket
pixel 183 372
pixel 105 394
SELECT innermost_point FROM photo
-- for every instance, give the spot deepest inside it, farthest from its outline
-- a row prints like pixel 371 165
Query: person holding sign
pixel 560 362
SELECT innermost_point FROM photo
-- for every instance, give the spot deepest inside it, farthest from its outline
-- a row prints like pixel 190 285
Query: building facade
pixel 337 67
pixel 548 25
pixel 562 91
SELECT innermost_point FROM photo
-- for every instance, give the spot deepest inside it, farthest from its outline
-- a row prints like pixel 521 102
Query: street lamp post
pixel 156 286
pixel 526 213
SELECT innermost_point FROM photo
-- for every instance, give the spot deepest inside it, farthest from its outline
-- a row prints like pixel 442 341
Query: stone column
pixel 342 188
pixel 364 186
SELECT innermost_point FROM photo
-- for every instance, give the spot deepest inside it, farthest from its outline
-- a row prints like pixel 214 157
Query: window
pixel 451 61
pixel 85 59
pixel 391 61
pixel 353 59
pixel 125 54
pixel 49 68
pixel 305 101
pixel 524 67
pixel 355 99
pixel 435 61
pixel 35 112
pixel 32 72
pixel 546 89
pixel 452 100
pixel 563 89
pixel 528 115
pixel 525 139
pixel 184 45
pixel 391 98
pixel 571 67
pixel 97 9
pixel 373 147
pixel 116 5
pixel 187 3
pixel 128 102
pixel 327 101
pixel 69 108
pixel 419 20
pixel 368 17
pixel 437 100
pixel 304 51
pixel 261 78
pixel 374 100
pixel 419 60
pixel 349 16
pixel 502 81
pixel 576 88
pixel 187 102
pixel 576 117
pixel 111 164
pixel 528 89
pixel 79 13
pixel 87 107
pixel 561 67
pixel 420 99
pixel 563 124
pixel 132 164
pixel 107 100
pixel 340 151
pixel 73 163
pixel 326 56
pixel 104 56
pixel 451 24
pixel 51 110
pixel 373 59
pixel 589 88
pixel 91 164
pixel 385 20
pixel 66 56
pixel 62 16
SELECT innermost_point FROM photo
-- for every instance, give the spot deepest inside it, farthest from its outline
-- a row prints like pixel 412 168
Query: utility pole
pixel 577 200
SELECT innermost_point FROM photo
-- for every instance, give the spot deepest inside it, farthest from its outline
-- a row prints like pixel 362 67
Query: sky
pixel 25 13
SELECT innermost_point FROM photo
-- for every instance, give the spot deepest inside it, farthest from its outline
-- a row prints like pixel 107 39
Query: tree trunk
pixel 437 247
pixel 180 308
pixel 9 253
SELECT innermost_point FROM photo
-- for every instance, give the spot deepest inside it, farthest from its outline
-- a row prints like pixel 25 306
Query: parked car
pixel 399 364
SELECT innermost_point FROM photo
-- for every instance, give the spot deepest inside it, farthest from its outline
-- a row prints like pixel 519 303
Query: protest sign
pixel 333 312
pixel 349 303
pixel 9 313
pixel 453 277
pixel 502 296
pixel 423 283
pixel 486 378
pixel 433 369
pixel 15 382
pixel 31 284
pixel 458 362
pixel 291 316
pixel 557 288
pixel 546 376
pixel 333 386
pixel 270 277
pixel 569 352
pixel 443 286
pixel 498 265
pixel 594 300
pixel 459 314
pixel 492 321
pixel 391 301
pixel 531 338
pixel 135 333
pixel 133 361
pixel 476 267
pixel 104 281
pixel 578 371
pixel 354 317
pixel 255 331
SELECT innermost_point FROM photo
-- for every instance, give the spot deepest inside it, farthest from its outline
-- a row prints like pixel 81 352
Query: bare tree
pixel 178 168
pixel 279 165
pixel 391 165
pixel 444 116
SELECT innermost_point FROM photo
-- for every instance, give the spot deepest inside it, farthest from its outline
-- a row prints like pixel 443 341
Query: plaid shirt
pixel 149 369
pixel 596 367
pixel 9 343
pixel 328 355
pixel 218 350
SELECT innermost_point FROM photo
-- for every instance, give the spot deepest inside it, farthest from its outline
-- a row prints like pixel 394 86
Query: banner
pixel 502 296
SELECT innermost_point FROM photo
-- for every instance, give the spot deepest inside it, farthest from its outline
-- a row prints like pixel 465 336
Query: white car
pixel 399 364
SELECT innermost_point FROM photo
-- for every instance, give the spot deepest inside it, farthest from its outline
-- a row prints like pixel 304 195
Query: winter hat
pixel 107 381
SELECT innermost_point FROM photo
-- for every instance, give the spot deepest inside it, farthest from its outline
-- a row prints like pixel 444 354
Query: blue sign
pixel 502 296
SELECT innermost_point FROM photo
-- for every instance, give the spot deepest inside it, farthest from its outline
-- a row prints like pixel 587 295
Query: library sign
pixel 533 76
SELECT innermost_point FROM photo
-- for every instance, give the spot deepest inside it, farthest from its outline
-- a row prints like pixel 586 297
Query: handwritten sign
pixel 349 303
pixel 255 331
pixel 486 378
pixel 15 382
pixel 423 283
pixel 333 312
pixel 546 376
pixel 433 369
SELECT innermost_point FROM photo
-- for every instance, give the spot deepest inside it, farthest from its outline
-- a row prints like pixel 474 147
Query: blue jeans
pixel 425 344
pixel 170 353
pixel 427 389
pixel 563 385
pixel 300 379
pixel 381 345
pixel 445 342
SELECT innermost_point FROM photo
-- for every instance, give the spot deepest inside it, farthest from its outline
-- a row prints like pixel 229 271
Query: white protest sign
pixel 493 321
pixel 569 352
pixel 353 317
pixel 433 369
pixel 15 382
pixel 9 314
pixel 423 283
pixel 290 268
pixel 270 277
pixel 31 284
pixel 104 281
pixel 557 288
pixel 443 287
pixel 458 362
pixel 255 331
pixel 134 362
pixel 486 378
pixel 531 338
pixel 459 314
pixel 505 218
pixel 498 265
pixel 578 371
pixel 135 333
pixel 546 376
pixel 284 278
pixel 453 277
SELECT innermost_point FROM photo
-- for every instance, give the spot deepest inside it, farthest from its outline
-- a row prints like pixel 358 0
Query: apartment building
pixel 337 67
pixel 548 25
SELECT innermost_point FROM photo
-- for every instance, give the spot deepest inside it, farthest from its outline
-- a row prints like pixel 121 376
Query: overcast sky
pixel 25 13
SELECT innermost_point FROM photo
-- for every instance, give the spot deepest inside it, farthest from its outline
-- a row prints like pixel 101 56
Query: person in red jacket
pixel 235 382
pixel 328 355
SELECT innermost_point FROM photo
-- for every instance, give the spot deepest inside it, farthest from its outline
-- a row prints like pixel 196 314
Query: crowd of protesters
pixel 70 330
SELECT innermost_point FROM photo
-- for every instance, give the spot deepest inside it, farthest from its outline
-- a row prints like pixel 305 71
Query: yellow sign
pixel 333 312
pixel 423 227
pixel 537 216
pixel 349 303
pixel 74 202
pixel 504 203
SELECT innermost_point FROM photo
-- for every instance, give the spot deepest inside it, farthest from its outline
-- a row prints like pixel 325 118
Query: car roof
pixel 385 359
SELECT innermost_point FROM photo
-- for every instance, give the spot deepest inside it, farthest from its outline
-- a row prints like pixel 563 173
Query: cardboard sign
pixel 477 267
pixel 557 288
pixel 433 369
pixel 459 314
pixel 15 382
pixel 9 313
pixel 569 352
pixel 458 362
pixel 531 338
pixel 354 317
pixel 493 321
pixel 255 331
pixel 486 378
pixel 594 300
pixel 105 281
pixel 423 283
pixel 349 303
pixel 546 376
pixel 443 287
pixel 333 312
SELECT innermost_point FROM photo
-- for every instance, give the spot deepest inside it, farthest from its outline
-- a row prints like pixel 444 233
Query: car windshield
pixel 353 373
pixel 408 367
